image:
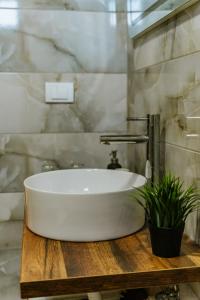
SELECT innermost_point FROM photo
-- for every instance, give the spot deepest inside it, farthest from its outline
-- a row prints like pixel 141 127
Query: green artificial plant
pixel 167 204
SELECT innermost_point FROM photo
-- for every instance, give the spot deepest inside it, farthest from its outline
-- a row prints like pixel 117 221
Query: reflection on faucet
pixel 52 165
pixel 49 165
pixel 76 165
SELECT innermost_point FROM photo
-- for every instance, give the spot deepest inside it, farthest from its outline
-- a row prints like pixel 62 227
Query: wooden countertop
pixel 52 267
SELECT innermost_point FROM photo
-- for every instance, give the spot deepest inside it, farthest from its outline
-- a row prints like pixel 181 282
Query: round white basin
pixel 83 204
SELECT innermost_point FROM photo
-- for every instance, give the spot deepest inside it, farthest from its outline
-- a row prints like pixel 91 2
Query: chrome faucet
pixel 128 139
pixel 151 138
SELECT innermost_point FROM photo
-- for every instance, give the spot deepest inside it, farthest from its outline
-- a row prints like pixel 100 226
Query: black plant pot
pixel 166 242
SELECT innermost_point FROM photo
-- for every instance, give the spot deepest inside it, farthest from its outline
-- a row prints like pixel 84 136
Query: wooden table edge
pixel 56 287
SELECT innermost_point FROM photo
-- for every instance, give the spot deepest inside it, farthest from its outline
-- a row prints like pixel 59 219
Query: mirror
pixel 147 14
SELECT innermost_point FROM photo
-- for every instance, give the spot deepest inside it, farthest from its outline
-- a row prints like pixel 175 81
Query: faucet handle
pixel 148 170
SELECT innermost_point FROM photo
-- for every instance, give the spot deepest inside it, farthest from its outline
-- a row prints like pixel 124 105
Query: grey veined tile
pixel 9 274
pixel 175 38
pixel 171 89
pixel 24 155
pixel 79 5
pixel 11 235
pixel 186 165
pixel 100 103
pixel 62 41
pixel 12 206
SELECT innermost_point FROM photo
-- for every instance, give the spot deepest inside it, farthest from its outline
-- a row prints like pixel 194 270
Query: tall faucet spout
pixel 152 140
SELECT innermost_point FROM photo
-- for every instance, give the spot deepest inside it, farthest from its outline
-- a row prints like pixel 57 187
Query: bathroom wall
pixel 45 41
pixel 164 77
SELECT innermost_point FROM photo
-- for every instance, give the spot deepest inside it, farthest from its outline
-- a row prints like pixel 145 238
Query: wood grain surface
pixel 50 267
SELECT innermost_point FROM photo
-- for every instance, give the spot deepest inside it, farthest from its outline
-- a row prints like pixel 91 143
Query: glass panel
pixel 146 14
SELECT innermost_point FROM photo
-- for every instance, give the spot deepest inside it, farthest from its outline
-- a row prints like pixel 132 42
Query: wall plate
pixel 59 92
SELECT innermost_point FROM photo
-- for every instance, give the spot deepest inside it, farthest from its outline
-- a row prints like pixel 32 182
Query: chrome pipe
pixel 137 119
pixel 128 139
pixel 155 145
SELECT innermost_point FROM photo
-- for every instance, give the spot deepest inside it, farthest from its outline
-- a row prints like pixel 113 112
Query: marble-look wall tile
pixel 187 293
pixel 23 155
pixel 154 47
pixel 171 89
pixel 137 158
pixel 195 288
pixel 12 206
pixel 186 165
pixel 62 41
pixel 164 78
pixel 186 39
pixel 11 234
pixel 100 103
pixel 9 274
pixel 82 5
pixel 177 37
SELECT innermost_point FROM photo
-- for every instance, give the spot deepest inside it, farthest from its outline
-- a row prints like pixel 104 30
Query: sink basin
pixel 83 204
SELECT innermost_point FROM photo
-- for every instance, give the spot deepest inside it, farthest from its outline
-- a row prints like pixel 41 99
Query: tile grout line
pixel 165 61
pixel 182 147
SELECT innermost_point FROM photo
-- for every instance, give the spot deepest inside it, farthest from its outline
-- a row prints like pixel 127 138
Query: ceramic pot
pixel 166 242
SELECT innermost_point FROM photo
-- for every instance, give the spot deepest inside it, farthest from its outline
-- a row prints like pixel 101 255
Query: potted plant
pixel 167 205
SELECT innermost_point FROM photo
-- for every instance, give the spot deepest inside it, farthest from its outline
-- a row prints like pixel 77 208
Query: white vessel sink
pixel 83 204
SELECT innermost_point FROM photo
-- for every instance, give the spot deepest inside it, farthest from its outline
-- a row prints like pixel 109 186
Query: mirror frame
pixel 151 16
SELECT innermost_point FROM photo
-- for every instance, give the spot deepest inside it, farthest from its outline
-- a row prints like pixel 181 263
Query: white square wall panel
pixel 59 92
